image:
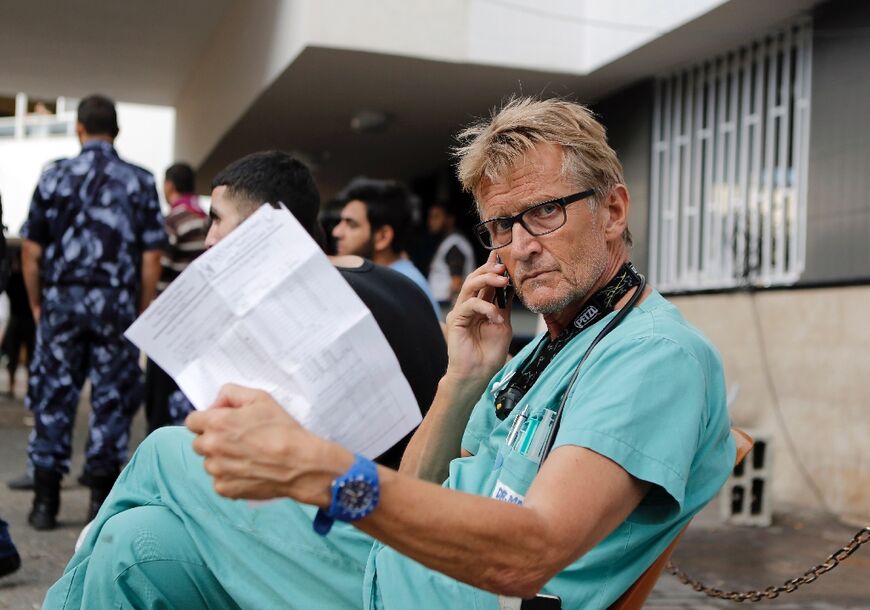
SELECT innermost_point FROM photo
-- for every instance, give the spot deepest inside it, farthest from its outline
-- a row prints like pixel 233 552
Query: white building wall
pixel 256 42
pixel 429 30
pixel 617 27
pixel 538 35
pixel 253 44
pixel 799 358
pixel 571 36
pixel 147 138
pixel 21 162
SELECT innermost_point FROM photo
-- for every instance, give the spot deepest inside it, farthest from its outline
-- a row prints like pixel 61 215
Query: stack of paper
pixel 265 308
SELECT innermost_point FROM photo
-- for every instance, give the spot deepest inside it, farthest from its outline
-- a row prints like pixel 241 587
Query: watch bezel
pixel 356 496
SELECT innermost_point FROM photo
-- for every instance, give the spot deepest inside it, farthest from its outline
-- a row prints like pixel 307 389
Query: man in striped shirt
pixel 186 227
pixel 186 224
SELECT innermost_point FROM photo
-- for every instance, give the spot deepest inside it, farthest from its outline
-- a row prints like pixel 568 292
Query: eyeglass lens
pixel 538 220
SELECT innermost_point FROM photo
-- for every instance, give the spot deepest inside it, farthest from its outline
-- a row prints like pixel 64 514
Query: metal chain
pixel 833 560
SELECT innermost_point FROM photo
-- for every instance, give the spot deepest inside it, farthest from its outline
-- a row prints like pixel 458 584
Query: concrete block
pixel 746 497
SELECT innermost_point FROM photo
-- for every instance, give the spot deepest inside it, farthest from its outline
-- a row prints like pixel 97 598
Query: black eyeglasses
pixel 538 220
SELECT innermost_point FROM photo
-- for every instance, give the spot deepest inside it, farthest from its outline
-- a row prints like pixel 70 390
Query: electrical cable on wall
pixel 777 409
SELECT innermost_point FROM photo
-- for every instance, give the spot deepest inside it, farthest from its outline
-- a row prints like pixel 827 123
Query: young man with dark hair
pixel 97 116
pixel 375 222
pixel 91 259
pixel 181 178
pixel 270 177
pixel 186 227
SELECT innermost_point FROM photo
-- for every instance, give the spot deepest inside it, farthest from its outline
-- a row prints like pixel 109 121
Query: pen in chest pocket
pixel 536 443
pixel 519 418
pixel 528 434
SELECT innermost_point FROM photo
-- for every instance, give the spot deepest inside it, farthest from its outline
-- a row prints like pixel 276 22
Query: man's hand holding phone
pixel 501 294
pixel 479 329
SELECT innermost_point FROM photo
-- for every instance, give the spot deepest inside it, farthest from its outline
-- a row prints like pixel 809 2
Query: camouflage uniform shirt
pixel 94 215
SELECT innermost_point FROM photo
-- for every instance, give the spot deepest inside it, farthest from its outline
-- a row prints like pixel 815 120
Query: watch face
pixel 356 496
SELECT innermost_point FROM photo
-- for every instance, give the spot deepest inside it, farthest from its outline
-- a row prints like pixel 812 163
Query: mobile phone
pixel 542 601
pixel 501 293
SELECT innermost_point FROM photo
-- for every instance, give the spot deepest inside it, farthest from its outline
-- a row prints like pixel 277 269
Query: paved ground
pixel 742 558
pixel 43 554
pixel 722 556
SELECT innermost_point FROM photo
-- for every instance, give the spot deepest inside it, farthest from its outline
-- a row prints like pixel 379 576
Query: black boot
pixel 9 564
pixel 85 478
pixel 10 560
pixel 101 483
pixel 46 499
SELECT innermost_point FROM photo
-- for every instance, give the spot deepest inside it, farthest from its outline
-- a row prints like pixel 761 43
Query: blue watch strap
pixel 355 494
pixel 322 522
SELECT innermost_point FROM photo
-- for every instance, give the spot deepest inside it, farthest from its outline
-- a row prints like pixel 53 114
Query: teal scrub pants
pixel 165 539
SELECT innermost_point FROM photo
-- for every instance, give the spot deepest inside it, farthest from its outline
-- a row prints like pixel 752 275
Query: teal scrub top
pixel 651 397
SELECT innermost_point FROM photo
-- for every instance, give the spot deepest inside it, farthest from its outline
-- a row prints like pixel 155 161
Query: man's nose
pixel 523 244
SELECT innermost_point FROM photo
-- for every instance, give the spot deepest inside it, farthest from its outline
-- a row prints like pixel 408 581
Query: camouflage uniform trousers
pixel 80 334
pixel 179 407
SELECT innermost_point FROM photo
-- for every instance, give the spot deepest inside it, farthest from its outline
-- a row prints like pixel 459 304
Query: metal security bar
pixel 729 167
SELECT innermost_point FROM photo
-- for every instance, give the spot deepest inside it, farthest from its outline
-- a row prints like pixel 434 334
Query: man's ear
pixel 616 206
pixel 383 238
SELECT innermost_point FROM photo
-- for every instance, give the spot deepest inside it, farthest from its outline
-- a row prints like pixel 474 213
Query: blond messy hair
pixel 488 149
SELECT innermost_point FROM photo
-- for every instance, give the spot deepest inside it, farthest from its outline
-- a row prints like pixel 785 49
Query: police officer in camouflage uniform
pixel 91 258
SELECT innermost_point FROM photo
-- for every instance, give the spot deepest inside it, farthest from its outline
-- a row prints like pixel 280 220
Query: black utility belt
pixel 88 286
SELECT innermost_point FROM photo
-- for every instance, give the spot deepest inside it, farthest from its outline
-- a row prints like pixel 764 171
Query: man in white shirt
pixel 453 260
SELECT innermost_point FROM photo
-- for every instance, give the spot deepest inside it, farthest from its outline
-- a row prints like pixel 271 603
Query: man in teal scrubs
pixel 642 445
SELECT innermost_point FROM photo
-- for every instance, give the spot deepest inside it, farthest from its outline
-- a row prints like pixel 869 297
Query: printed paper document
pixel 265 308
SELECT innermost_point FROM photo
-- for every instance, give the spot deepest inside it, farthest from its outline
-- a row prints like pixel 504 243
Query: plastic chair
pixel 637 593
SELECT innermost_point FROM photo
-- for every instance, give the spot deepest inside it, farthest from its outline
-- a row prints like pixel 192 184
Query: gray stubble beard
pixel 579 294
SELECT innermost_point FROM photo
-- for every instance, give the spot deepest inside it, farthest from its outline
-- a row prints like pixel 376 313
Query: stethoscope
pixel 614 322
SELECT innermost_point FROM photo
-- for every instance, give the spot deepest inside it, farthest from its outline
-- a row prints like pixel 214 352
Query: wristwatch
pixel 355 494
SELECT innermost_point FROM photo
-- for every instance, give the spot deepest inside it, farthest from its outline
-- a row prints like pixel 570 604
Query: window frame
pixel 729 165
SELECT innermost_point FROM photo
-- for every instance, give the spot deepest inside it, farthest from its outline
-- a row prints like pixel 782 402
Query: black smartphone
pixel 501 294
pixel 542 602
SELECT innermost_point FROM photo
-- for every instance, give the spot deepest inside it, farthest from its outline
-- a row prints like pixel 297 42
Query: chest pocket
pixel 519 463
pixel 514 478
